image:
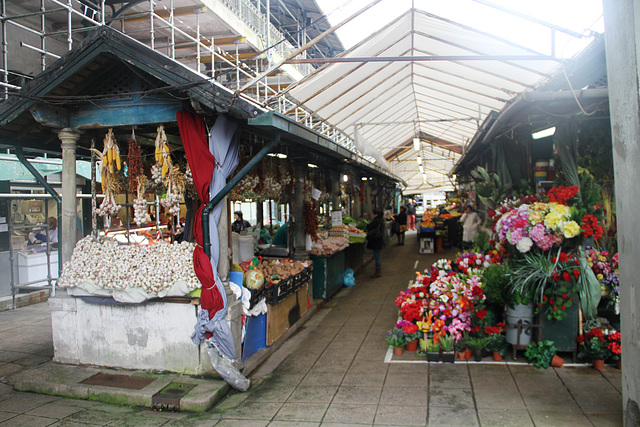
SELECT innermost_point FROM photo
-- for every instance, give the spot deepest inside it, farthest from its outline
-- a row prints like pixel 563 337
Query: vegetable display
pixel 154 268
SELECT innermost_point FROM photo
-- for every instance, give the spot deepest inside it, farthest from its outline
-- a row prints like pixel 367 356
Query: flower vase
pixel 397 351
pixel 411 345
pixel 497 357
pixel 557 361
pixel 598 364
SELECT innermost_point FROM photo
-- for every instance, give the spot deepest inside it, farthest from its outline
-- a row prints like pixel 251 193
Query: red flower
pixel 581 339
pixel 595 332
pixel 481 314
pixel 566 276
pixel 615 348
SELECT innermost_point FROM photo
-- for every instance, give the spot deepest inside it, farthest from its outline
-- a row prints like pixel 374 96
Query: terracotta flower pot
pixel 598 364
pixel 411 345
pixel 397 351
pixel 557 361
pixel 497 357
pixel 468 353
pixel 460 355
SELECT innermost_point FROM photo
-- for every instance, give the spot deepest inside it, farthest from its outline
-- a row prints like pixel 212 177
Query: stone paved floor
pixel 337 371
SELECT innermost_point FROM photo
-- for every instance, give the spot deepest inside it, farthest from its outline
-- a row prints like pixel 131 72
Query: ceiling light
pixel 544 133
pixel 364 178
pixel 421 169
pixel 345 177
pixel 416 143
pixel 419 159
pixel 311 165
pixel 278 155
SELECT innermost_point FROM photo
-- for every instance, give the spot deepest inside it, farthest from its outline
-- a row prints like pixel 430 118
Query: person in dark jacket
pixel 401 219
pixel 411 215
pixel 240 223
pixel 375 239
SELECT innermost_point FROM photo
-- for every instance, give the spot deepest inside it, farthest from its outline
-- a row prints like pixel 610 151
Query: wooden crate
pixel 281 316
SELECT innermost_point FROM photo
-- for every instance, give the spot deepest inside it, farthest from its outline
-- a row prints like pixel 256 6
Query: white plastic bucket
pixel 519 315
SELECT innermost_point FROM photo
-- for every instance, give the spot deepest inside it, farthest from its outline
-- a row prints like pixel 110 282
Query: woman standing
pixel 470 221
pixel 375 233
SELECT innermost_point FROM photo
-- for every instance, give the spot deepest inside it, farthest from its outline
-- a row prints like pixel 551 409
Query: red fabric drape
pixel 201 162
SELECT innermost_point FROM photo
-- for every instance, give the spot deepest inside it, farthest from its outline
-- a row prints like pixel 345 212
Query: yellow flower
pixel 600 276
pixel 552 219
pixel 570 229
pixel 562 210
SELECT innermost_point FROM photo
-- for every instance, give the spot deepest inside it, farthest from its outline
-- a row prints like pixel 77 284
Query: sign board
pixel 336 218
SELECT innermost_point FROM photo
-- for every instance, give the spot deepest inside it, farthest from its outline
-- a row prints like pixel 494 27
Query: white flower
pixel 524 244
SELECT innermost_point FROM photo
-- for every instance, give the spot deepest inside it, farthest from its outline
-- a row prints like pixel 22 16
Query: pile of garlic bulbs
pixel 154 268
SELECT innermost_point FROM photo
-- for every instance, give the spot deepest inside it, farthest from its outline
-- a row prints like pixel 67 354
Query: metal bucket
pixel 519 315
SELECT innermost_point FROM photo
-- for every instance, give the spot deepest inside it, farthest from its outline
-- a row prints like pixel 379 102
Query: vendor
pixel 52 233
pixel 240 224
pixel 281 237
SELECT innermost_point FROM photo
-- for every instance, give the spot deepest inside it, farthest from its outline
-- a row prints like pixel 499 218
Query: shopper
pixel 240 224
pixel 411 215
pixel 401 219
pixel 470 221
pixel 375 239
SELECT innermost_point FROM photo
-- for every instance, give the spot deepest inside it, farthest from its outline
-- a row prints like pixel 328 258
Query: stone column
pixel 622 20
pixel 67 226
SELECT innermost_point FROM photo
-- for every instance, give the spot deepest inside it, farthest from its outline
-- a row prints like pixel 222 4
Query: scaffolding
pixel 174 31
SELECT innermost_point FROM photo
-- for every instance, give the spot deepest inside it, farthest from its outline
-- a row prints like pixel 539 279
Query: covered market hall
pixel 316 212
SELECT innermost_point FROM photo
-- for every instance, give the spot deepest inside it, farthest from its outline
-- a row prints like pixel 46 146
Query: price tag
pixel 336 218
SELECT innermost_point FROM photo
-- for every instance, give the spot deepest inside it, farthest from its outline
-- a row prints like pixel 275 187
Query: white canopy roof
pixel 457 77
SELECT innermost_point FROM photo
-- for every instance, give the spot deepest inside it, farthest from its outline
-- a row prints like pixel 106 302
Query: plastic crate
pixel 256 296
pixel 303 277
pixel 278 291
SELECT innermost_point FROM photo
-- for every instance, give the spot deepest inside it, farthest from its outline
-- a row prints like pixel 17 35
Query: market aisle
pixel 337 374
pixel 333 373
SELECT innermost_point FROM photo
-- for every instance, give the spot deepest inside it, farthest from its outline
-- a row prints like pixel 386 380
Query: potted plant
pixel 396 340
pixel 614 347
pixel 477 344
pixel 497 344
pixel 433 351
pixel 541 354
pixel 411 334
pixel 447 354
pixel 594 347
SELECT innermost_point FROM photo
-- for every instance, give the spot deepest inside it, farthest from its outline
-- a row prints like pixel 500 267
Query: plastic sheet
pixel 225 368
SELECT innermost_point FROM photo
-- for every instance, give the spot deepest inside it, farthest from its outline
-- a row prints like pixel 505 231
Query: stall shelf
pixel 328 271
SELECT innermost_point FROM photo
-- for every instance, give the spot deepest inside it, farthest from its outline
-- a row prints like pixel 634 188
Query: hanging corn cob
pixel 162 155
pixel 110 158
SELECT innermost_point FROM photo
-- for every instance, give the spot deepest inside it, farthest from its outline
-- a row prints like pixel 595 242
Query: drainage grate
pixel 168 399
pixel 119 381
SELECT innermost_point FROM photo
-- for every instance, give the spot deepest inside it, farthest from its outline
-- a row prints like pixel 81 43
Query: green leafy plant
pixel 396 338
pixel 481 241
pixel 496 285
pixel 541 354
pixel 478 343
pixel 594 345
pixel 446 343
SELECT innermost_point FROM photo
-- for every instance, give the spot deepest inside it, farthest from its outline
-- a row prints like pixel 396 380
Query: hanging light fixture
pixel 419 159
pixel 416 143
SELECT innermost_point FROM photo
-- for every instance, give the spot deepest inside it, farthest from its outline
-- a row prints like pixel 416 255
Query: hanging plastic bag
pixel 225 368
pixel 349 280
